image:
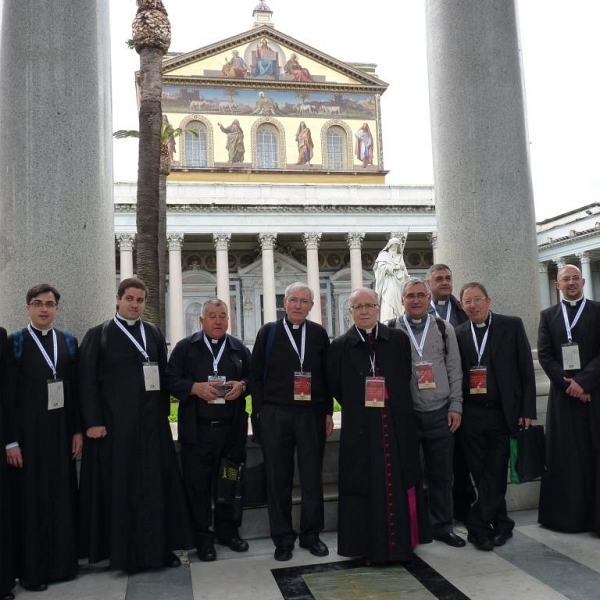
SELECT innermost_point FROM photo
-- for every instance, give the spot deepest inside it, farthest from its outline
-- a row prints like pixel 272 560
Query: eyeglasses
pixel 420 296
pixel 477 300
pixel 573 278
pixel 39 304
pixel 370 306
pixel 302 301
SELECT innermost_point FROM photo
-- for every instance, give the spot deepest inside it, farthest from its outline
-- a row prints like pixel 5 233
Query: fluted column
pixel 221 241
pixel 586 273
pixel 354 241
pixel 176 327
pixel 311 241
pixel 125 242
pixel 544 285
pixel 267 245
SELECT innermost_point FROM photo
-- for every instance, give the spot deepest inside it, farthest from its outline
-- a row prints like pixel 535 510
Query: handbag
pixel 527 454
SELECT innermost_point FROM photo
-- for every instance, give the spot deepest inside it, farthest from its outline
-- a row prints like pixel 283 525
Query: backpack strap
pixel 442 327
pixel 17 344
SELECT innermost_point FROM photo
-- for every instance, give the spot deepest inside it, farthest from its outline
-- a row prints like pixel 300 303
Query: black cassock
pixel 133 507
pixel 44 492
pixel 571 486
pixel 382 512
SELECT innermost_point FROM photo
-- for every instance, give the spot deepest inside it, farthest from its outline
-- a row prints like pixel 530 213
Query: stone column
pixel 560 262
pixel 176 326
pixel 125 242
pixel 311 241
pixel 484 195
pixel 56 207
pixel 354 241
pixel 221 241
pixel 544 285
pixel 434 245
pixel 586 273
pixel 267 245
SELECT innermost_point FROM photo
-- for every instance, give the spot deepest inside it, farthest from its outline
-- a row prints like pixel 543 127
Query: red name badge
pixel 375 392
pixel 302 386
pixel 425 377
pixel 478 380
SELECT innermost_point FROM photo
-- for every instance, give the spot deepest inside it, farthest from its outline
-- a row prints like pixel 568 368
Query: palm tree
pixel 151 39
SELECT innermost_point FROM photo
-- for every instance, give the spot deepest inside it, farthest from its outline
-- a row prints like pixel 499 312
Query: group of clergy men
pixel 450 377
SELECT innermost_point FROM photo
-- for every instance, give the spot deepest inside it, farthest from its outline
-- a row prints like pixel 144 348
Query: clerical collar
pixel 215 341
pixel 43 332
pixel 572 302
pixel 294 325
pixel 414 321
pixel 440 302
pixel 128 321
pixel 484 324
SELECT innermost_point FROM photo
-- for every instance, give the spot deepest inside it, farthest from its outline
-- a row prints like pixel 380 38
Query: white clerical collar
pixel 128 321
pixel 441 302
pixel 44 332
pixel 369 331
pixel 573 302
pixel 481 324
pixel 415 321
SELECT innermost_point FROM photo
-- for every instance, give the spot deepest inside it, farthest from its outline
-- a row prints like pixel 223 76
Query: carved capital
pixel 267 240
pixel 221 241
pixel 560 261
pixel 543 268
pixel 584 257
pixel 311 240
pixel 175 241
pixel 433 239
pixel 125 241
pixel 354 240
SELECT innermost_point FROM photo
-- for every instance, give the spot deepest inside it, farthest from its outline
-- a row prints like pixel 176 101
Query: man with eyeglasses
pixel 293 406
pixel 43 437
pixel 499 396
pixel 436 387
pixel 569 352
pixel 382 512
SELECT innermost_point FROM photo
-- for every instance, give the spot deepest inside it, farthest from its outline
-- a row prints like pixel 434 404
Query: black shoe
pixel 317 548
pixel 207 553
pixel 237 544
pixel 481 543
pixel 34 587
pixel 283 553
pixel 173 561
pixel 8 596
pixel 451 539
pixel 499 539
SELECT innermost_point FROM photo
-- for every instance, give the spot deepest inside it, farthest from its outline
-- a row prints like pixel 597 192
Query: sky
pixel 561 51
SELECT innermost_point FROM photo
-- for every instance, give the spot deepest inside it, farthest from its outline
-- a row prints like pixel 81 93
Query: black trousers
pixel 437 442
pixel 200 465
pixel 486 442
pixel 283 432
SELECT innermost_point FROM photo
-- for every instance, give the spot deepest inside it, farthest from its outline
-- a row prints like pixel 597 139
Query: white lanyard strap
pixel 218 358
pixel 418 347
pixel 371 356
pixel 570 326
pixel 448 311
pixel 481 350
pixel 133 340
pixel 293 342
pixel 51 364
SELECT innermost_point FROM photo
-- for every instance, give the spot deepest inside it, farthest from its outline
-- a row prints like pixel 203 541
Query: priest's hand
pixel 96 432
pixel 574 388
pixel 328 425
pixel 76 445
pixel 205 390
pixel 454 421
pixel 237 388
pixel 14 457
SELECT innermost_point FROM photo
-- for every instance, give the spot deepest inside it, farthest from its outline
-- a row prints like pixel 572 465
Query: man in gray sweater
pixel 437 399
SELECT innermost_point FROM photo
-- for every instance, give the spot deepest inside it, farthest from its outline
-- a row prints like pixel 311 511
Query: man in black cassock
pixel 43 437
pixel 132 503
pixel 382 515
pixel 569 352
pixel 208 374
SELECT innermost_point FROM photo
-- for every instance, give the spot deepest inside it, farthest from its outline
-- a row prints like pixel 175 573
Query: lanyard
pixel 570 326
pixel 371 355
pixel 133 340
pixel 218 358
pixel 51 364
pixel 293 342
pixel 448 310
pixel 483 342
pixel 418 347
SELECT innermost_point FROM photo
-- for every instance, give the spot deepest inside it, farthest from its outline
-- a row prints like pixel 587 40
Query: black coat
pixel 512 365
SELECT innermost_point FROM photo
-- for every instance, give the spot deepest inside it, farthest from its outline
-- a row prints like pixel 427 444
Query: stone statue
pixel 390 273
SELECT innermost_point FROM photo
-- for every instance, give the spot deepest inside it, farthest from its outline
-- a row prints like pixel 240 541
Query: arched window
pixel 267 146
pixel 336 148
pixel 196 145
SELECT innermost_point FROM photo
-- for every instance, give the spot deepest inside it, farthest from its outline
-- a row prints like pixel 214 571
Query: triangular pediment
pixel 284 265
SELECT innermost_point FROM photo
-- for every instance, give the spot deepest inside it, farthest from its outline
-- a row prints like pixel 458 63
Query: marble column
pixel 221 242
pixel 354 241
pixel 311 241
pixel 267 245
pixel 432 237
pixel 176 325
pixel 586 273
pixel 484 194
pixel 56 207
pixel 544 285
pixel 125 242
pixel 560 262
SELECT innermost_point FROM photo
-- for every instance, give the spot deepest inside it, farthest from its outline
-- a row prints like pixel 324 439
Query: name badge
pixel 478 380
pixel 56 394
pixel 220 382
pixel 425 376
pixel 302 386
pixel 570 356
pixel 375 392
pixel 151 377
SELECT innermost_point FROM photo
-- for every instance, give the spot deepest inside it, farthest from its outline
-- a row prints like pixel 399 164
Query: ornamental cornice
pixel 569 239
